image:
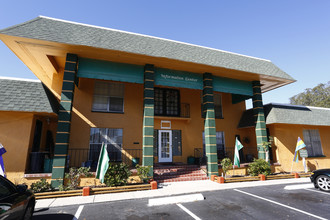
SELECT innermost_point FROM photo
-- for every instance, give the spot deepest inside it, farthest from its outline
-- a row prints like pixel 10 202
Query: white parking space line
pixel 76 216
pixel 176 199
pixel 316 190
pixel 189 212
pixel 299 186
pixel 280 204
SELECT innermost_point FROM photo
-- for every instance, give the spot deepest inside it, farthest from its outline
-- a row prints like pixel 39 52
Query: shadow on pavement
pixel 53 216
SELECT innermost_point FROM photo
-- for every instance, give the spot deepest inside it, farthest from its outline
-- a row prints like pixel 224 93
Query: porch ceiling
pixel 45 54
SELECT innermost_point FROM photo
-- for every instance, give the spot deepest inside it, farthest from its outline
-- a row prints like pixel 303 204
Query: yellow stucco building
pixel 151 100
pixel 285 123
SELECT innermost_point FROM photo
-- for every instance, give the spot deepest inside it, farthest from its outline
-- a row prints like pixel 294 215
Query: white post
pixel 305 167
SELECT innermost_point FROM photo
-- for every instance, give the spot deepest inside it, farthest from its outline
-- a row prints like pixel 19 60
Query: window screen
pixel 108 97
pixel 220 140
pixel 313 142
pixel 112 137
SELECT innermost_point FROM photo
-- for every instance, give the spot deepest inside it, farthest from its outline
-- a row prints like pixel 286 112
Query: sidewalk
pixel 164 189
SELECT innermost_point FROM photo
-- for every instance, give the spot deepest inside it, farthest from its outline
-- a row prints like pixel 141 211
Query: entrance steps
pixel 178 173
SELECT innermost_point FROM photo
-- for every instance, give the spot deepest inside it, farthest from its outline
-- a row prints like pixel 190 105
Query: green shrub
pixel 226 164
pixel 41 186
pixel 117 174
pixel 143 172
pixel 74 176
pixel 259 166
pixel 61 188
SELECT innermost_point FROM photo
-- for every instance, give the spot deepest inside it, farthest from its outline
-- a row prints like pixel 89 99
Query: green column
pixel 209 125
pixel 148 118
pixel 64 120
pixel 259 118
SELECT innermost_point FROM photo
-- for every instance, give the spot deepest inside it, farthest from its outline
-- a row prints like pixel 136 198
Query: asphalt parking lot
pixel 288 201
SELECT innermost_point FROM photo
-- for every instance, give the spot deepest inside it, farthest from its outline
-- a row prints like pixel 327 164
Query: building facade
pixel 151 100
pixel 28 122
pixel 285 123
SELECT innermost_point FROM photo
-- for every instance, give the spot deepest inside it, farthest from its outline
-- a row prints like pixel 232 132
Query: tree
pixel 318 96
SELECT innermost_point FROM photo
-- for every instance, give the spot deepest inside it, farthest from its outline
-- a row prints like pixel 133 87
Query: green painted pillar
pixel 209 125
pixel 259 118
pixel 64 120
pixel 148 118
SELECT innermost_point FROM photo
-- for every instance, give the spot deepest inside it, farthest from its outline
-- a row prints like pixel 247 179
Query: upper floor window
pixel 167 102
pixel 313 142
pixel 217 105
pixel 108 97
pixel 217 100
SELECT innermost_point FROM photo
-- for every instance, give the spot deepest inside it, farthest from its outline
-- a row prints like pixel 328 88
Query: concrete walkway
pixel 164 189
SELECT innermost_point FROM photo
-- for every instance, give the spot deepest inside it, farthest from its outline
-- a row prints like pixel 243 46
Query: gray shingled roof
pixel 55 30
pixel 289 114
pixel 26 96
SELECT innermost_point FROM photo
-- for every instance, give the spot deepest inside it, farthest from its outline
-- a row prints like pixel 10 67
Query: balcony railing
pixel 183 113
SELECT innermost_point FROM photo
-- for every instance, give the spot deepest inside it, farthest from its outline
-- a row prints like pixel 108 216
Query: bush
pixel 74 176
pixel 117 174
pixel 226 164
pixel 143 172
pixel 41 186
pixel 259 166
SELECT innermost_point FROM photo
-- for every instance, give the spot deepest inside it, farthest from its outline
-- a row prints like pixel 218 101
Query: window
pixel 217 105
pixel 220 137
pixel 112 137
pixel 108 97
pixel 217 100
pixel 313 142
pixel 167 102
pixel 37 136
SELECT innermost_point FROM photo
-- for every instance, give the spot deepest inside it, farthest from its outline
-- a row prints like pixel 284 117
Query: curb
pixel 261 177
pixel 87 191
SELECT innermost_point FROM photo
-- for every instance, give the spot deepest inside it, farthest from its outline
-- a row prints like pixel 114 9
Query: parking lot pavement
pixel 262 202
pixel 168 189
pixel 271 202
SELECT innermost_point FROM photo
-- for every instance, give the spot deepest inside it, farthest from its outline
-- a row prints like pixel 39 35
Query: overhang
pixel 42 44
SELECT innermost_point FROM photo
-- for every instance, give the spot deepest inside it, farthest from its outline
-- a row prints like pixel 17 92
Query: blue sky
pixel 293 34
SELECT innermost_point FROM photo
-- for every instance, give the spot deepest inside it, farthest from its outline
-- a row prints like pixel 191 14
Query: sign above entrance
pixel 181 79
pixel 165 124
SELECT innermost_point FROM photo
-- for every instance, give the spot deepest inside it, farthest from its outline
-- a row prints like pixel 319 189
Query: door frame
pixel 170 158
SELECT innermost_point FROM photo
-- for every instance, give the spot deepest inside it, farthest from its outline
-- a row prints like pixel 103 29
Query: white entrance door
pixel 165 146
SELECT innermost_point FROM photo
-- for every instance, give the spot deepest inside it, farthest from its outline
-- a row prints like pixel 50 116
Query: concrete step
pixel 179 173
